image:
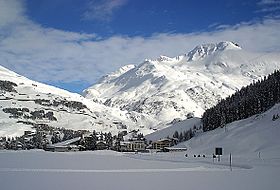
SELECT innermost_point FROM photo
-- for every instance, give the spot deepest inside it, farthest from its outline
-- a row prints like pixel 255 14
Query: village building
pixel 86 138
pixel 132 146
pixel 162 143
pixel 29 133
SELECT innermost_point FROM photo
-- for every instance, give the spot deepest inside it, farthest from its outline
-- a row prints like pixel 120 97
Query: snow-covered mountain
pixel 25 103
pixel 146 97
pixel 167 88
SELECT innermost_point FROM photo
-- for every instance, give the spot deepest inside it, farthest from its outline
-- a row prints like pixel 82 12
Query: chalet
pixel 162 143
pixel 65 146
pixel 29 133
pixel 16 145
pixel 86 138
pixel 132 146
pixel 19 146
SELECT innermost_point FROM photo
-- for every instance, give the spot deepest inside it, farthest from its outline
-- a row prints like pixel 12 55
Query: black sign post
pixel 230 162
pixel 219 152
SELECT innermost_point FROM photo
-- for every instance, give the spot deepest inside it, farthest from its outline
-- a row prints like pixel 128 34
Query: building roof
pixel 176 148
pixel 101 142
pixel 162 140
pixel 67 142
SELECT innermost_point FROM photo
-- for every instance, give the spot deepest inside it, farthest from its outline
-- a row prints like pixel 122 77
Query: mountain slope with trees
pixel 256 98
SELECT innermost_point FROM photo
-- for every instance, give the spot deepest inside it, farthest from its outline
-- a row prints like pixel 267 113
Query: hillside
pixel 253 99
pixel 259 133
pixel 26 104
pixel 180 127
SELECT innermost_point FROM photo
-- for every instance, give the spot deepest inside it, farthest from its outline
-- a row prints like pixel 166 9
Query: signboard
pixel 218 151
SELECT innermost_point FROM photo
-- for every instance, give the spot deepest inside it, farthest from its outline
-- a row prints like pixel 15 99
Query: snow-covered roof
pixel 67 142
pixel 164 139
pixel 176 148
pixel 130 142
pixel 97 142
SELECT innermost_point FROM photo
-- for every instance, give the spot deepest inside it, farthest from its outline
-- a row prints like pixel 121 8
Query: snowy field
pixel 105 170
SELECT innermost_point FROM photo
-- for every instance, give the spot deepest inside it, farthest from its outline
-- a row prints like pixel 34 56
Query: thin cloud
pixel 11 11
pixel 103 10
pixel 269 2
pixel 269 9
pixel 269 6
pixel 52 56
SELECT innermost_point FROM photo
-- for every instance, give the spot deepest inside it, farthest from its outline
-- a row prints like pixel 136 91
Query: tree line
pixel 184 135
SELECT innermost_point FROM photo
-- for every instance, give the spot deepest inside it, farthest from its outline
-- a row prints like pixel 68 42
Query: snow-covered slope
pixel 247 137
pixel 259 133
pixel 25 103
pixel 169 130
pixel 168 88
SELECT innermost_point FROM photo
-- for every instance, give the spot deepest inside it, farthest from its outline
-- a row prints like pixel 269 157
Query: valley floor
pixel 105 170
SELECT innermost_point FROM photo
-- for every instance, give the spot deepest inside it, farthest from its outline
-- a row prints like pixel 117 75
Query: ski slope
pixel 179 126
pixel 251 136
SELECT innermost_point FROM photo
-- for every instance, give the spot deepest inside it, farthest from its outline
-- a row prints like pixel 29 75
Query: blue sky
pixel 143 17
pixel 72 43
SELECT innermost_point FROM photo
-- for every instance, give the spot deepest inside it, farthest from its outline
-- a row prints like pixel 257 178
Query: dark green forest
pixel 256 98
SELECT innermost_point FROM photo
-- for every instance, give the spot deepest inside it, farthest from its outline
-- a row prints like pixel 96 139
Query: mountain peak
pixel 201 51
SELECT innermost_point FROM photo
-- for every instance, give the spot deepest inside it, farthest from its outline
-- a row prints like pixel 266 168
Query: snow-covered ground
pixel 105 170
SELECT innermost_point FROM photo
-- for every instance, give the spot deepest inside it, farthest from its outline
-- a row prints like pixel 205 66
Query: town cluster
pixel 66 140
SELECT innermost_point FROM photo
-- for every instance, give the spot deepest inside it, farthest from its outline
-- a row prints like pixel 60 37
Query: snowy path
pixel 200 168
